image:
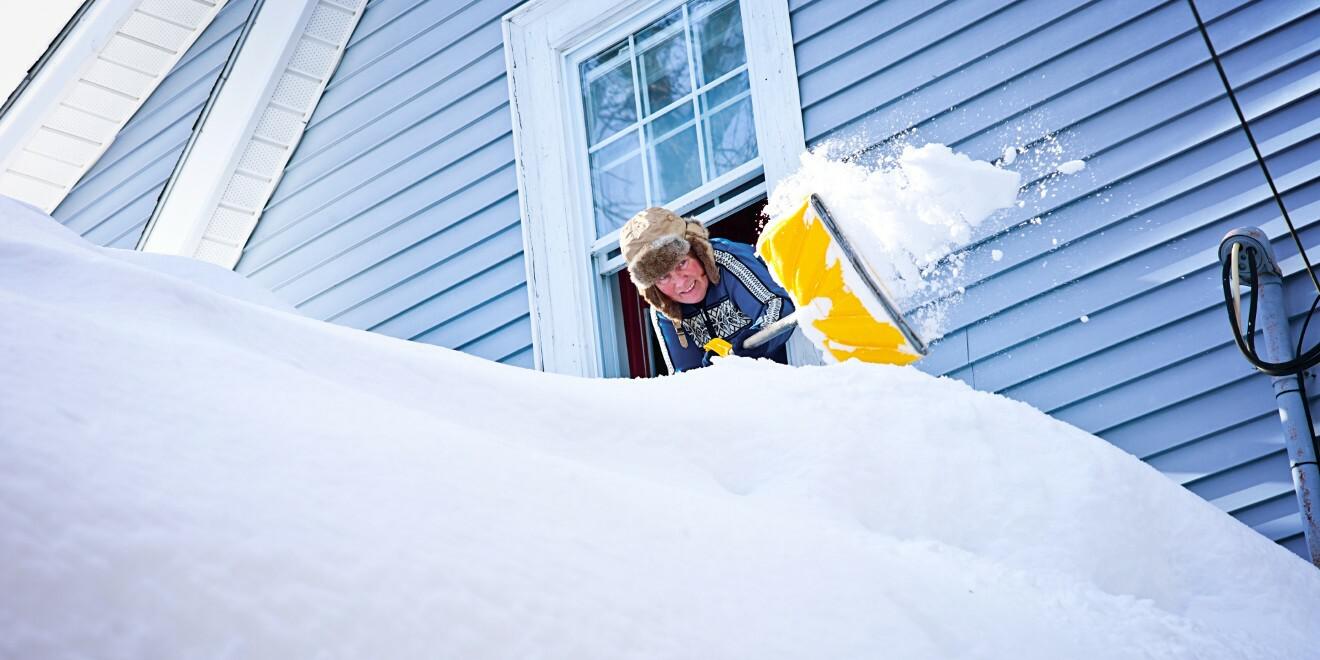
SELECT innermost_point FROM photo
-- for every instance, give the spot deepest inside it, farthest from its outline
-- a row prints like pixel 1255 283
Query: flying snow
pixel 1072 167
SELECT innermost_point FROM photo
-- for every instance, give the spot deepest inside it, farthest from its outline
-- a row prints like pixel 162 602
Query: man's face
pixel 686 283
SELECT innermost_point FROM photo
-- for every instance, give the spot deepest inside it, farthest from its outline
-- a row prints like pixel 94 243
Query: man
pixel 701 290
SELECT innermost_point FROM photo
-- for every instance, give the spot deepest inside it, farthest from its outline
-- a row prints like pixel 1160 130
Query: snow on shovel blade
pixel 802 251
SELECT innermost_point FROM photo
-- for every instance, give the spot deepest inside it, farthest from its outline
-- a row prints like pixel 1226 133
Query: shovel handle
pixel 771 331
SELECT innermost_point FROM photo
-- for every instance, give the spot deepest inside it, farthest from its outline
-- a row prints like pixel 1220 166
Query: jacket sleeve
pixel 676 357
pixel 757 295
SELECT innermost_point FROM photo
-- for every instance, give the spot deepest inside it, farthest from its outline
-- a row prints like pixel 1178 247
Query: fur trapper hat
pixel 653 242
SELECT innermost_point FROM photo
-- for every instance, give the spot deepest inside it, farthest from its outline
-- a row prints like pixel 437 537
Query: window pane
pixel 729 129
pixel 610 105
pixel 720 38
pixel 663 125
pixel 675 165
pixel 617 187
pixel 723 93
pixel 665 63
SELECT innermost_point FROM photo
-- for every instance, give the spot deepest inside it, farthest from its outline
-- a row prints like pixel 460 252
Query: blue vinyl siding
pixel 1128 243
pixel 399 210
pixel 113 201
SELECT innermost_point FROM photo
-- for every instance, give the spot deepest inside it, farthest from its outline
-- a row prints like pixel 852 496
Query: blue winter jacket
pixel 744 301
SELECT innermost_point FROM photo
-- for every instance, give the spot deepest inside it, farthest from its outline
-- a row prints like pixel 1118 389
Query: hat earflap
pixel 667 307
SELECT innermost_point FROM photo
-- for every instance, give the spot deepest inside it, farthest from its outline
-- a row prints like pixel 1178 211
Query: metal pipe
pixel 1275 345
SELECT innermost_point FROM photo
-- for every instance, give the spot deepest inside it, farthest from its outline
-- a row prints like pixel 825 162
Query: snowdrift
pixel 192 470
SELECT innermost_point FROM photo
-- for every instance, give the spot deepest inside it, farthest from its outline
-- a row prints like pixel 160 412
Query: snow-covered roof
pixel 188 468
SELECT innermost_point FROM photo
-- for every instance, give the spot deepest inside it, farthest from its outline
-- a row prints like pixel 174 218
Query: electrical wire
pixel 1255 148
pixel 1301 362
pixel 1246 341
pixel 1297 367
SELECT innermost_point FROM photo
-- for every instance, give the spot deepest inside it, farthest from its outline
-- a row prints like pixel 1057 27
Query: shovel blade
pixel 800 250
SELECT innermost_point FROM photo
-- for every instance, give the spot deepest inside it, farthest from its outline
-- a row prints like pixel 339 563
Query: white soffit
pixel 249 129
pixel 89 87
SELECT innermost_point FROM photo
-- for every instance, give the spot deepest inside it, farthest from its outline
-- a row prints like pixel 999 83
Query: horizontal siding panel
pixel 467 329
pixel 411 63
pixel 345 219
pixel 455 300
pixel 509 339
pixel 113 201
pixel 1095 78
pixel 435 279
pixel 1203 166
pixel 346 136
pixel 477 127
pixel 828 31
pixel 1271 516
pixel 524 357
pixel 399 213
pixel 1202 373
pixel 1104 307
pixel 1219 451
pixel 1186 417
pixel 948 70
pixel 1189 306
pixel 413 247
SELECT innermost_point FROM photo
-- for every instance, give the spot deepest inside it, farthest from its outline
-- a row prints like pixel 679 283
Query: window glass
pixel 610 104
pixel 616 180
pixel 668 110
pixel 674 170
pixel 664 63
pixel 720 34
pixel 730 129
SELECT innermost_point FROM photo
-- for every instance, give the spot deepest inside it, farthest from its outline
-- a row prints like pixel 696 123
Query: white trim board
pixel 538 37
pixel 94 81
pixel 250 128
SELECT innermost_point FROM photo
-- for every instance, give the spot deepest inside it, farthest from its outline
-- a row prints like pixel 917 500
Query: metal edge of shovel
pixel 868 278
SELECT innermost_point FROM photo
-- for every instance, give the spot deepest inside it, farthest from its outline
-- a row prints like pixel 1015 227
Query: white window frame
pixel 557 217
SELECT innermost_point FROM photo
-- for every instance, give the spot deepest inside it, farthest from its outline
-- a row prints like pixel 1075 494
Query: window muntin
pixel 668 110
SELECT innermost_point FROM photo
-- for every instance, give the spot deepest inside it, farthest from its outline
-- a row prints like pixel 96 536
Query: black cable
pixel 1306 407
pixel 1260 159
pixel 1301 378
pixel 1296 367
pixel 1301 338
pixel 1251 317
pixel 1288 368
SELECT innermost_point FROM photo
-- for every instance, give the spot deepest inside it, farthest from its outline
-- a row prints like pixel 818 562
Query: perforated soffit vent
pixel 88 86
pixel 235 177
pixel 262 160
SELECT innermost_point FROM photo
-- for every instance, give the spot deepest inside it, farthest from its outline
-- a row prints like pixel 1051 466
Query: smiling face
pixel 686 283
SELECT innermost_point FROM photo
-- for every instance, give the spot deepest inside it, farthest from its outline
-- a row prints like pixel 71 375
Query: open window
pixel 688 104
pixel 638 349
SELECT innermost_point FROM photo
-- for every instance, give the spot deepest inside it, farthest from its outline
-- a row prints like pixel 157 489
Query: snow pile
pixel 183 473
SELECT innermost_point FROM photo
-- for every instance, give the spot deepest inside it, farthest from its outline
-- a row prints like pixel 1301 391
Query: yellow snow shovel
pixel 796 249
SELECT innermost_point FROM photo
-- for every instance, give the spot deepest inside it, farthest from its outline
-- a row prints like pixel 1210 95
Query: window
pixel 622 105
pixel 667 110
